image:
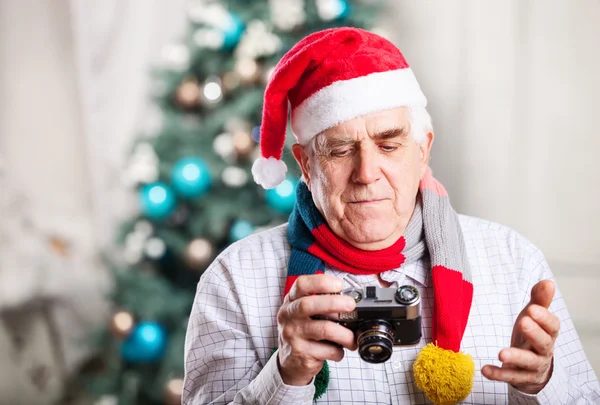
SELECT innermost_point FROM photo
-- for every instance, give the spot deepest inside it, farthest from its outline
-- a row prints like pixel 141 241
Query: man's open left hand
pixel 527 364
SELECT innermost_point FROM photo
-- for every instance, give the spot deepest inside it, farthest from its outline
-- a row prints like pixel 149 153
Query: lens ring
pixel 375 341
pixel 407 294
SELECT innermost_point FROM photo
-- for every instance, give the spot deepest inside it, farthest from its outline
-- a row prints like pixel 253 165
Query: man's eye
pixel 389 148
pixel 341 152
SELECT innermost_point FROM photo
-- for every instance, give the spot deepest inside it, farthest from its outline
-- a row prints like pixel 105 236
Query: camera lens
pixel 407 294
pixel 375 341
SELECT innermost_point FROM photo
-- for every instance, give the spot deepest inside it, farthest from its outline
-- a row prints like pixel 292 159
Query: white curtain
pixel 116 43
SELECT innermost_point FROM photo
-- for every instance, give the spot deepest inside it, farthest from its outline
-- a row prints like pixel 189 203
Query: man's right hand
pixel 304 343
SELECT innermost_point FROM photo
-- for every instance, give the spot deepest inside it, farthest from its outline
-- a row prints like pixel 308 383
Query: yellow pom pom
pixel 445 376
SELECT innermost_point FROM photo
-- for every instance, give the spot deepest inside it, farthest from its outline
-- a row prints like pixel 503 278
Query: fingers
pixel 511 376
pixel 315 284
pixel 306 307
pixel 541 342
pixel 542 293
pixel 332 332
pixel 545 319
pixel 521 359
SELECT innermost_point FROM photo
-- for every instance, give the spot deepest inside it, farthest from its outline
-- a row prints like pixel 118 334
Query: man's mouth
pixel 369 201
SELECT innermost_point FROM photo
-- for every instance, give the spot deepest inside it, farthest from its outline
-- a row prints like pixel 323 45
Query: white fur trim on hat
pixel 268 173
pixel 344 100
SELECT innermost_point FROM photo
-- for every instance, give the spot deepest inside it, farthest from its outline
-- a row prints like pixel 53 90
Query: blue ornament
pixel 157 200
pixel 232 31
pixel 239 230
pixel 255 134
pixel 330 10
pixel 146 343
pixel 283 197
pixel 191 177
pixel 344 10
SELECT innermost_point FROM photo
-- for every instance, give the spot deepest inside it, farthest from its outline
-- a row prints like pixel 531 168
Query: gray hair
pixel 420 126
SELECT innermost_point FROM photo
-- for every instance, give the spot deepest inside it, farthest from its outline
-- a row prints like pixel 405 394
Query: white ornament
pixel 144 228
pixel 269 173
pixel 212 91
pixel 234 176
pixel 155 248
pixel 258 40
pixel 107 400
pixel 224 146
pixel 247 69
pixel 142 166
pixel 211 14
pixel 132 256
pixel 287 14
pixel 135 240
pixel 210 38
pixel 175 57
pixel 329 10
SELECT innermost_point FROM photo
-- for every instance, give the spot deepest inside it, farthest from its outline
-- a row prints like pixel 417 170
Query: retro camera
pixel 383 318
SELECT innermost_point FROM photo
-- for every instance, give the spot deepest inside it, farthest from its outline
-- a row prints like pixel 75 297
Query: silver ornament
pixel 224 146
pixel 155 248
pixel 234 176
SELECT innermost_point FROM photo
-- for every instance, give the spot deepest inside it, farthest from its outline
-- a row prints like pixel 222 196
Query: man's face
pixel 365 176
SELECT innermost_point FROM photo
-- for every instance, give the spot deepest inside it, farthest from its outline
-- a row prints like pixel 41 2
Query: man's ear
pixel 302 158
pixel 425 148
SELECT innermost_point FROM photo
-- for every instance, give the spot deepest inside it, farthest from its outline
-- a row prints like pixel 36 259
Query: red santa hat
pixel 327 78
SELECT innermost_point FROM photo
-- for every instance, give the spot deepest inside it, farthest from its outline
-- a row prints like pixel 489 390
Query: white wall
pixel 41 138
pixel 513 88
pixel 43 156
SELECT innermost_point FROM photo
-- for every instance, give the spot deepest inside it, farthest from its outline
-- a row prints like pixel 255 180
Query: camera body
pixel 383 318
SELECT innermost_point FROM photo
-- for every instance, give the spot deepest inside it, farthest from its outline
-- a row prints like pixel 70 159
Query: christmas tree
pixel 193 181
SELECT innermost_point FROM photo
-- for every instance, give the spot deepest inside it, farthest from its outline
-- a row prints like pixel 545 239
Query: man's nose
pixel 367 167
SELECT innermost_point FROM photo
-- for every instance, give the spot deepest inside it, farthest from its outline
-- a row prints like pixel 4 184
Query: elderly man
pixel 493 327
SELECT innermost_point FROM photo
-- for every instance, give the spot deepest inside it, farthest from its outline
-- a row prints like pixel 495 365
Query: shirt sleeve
pixel 221 363
pixel 573 380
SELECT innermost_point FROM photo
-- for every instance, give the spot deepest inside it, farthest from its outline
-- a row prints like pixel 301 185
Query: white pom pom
pixel 269 173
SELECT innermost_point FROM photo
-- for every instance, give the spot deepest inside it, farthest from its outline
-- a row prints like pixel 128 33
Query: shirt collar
pixel 418 271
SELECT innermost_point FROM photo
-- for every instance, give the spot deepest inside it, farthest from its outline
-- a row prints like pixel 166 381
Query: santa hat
pixel 327 78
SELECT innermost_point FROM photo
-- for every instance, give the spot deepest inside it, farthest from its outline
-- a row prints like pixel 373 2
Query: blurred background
pixel 128 127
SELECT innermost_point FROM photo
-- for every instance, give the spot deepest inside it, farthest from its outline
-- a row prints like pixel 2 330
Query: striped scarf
pixel 434 226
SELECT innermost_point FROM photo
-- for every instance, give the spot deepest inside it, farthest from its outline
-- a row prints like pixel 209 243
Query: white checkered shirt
pixel 232 328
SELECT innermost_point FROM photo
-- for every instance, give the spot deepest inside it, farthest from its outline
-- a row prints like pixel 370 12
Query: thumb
pixel 542 293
